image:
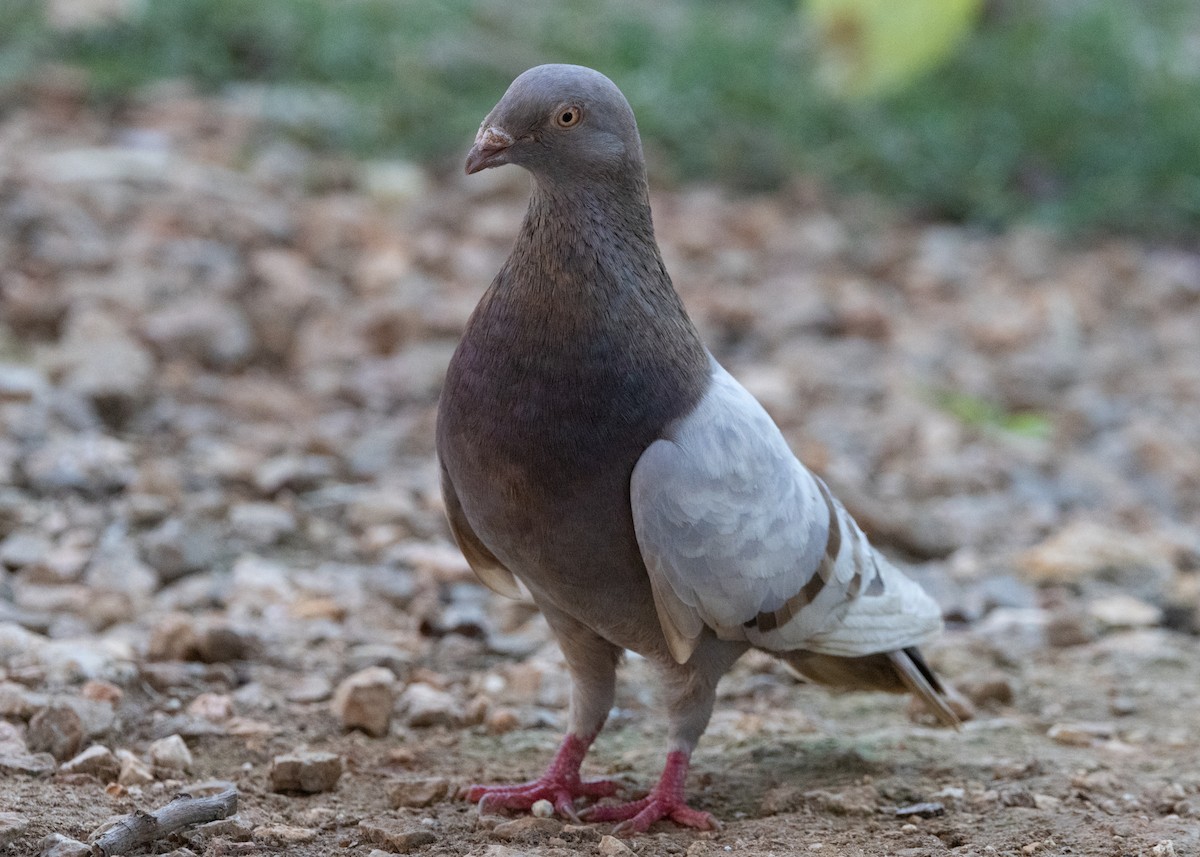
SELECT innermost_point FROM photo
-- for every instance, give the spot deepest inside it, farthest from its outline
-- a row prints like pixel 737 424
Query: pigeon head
pixel 560 122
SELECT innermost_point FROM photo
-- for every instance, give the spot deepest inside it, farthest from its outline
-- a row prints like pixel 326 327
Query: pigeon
pixel 595 455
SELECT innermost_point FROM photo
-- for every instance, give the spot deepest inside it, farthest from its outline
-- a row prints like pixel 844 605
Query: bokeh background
pixel 951 245
pixel 1078 113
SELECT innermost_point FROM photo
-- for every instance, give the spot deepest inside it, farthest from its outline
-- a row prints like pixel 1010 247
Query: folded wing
pixel 738 536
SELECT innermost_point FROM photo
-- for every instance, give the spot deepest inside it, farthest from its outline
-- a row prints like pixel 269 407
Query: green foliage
pixel 1081 113
pixel 22 38
pixel 1076 115
pixel 982 414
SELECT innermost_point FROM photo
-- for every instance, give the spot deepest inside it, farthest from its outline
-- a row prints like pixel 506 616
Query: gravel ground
pixel 222 555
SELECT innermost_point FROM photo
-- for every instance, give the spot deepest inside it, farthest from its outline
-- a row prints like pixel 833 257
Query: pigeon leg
pixel 665 801
pixel 560 784
pixel 691 690
pixel 592 662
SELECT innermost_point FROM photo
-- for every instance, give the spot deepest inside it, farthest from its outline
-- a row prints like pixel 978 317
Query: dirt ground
pixel 219 361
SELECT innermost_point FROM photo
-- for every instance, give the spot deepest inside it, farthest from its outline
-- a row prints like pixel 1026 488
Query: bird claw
pixel 560 791
pixel 637 816
pixel 664 802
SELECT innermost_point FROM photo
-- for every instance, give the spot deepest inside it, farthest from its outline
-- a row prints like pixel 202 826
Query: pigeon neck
pixel 594 241
pixel 594 205
pixel 586 280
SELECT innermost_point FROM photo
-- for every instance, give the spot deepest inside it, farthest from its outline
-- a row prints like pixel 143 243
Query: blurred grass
pixel 1082 114
pixel 982 414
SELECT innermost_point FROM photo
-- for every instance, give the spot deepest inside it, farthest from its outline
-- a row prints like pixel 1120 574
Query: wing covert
pixel 738 536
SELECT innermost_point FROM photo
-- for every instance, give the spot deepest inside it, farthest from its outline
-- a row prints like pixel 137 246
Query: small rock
pixel 261 524
pixel 56 729
pixel 12 825
pixel 76 659
pixel 102 362
pixel 397 837
pixel 422 792
pixel 205 327
pixel 502 719
pixel 170 753
pixel 526 826
pixel 12 742
pixel 581 832
pixel 173 638
pixel 297 473
pixel 307 608
pixel 495 849
pixel 395 658
pixel 954 793
pixel 310 688
pixel 443 561
pixel 24 548
pixel 177 637
pixel 477 710
pixel 1122 706
pixel 1069 628
pixel 213 707
pixel 57 845
pixel 1087 549
pixel 928 809
pixel 988 691
pixel 1080 734
pixel 16 700
pixel 219 643
pixel 1019 629
pixel 542 809
pixel 102 691
pixel 134 772
pixel 87 462
pixel 1187 808
pixel 20 383
pixel 248 727
pixel 27 764
pixel 610 846
pixel 365 700
pixel 1124 611
pixel 177 547
pixel 284 834
pixel 233 829
pixel 852 801
pixel 1046 802
pixel 96 760
pixel 306 771
pixel 425 705
pixel 1017 796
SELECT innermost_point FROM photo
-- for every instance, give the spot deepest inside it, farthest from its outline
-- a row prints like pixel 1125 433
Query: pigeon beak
pixel 490 145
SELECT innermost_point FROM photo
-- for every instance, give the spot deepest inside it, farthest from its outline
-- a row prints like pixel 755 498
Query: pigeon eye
pixel 568 117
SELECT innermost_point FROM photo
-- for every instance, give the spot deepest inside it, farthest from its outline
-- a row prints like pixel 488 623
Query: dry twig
pixel 140 828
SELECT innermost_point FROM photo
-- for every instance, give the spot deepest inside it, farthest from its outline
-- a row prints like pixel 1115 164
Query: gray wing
pixel 738 536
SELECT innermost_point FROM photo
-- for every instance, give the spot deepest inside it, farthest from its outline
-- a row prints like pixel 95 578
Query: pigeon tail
pixel 925 685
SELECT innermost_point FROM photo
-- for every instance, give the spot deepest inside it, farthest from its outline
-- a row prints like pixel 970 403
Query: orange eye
pixel 569 116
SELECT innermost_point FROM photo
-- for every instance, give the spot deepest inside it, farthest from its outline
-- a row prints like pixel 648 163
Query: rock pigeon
pixel 592 449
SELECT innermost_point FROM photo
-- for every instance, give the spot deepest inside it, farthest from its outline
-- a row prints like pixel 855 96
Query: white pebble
pixel 542 809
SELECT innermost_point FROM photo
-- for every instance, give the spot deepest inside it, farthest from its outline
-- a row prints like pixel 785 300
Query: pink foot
pixel 560 784
pixel 666 801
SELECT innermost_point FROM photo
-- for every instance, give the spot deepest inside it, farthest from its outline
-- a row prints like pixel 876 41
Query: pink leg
pixel 560 784
pixel 666 801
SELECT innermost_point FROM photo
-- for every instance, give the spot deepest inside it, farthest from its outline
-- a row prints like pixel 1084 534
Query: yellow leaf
pixel 872 47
